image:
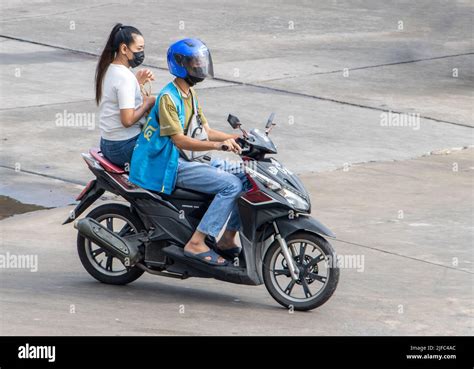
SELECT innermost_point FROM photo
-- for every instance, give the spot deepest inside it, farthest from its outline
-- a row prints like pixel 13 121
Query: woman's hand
pixel 144 76
pixel 149 101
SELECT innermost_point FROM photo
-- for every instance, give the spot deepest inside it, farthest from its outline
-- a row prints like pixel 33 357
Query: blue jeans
pixel 118 152
pixel 222 179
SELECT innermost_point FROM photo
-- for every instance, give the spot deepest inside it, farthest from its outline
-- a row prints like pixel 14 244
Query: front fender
pixel 287 226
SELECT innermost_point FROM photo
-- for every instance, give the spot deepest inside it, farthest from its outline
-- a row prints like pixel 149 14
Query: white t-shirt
pixel 120 90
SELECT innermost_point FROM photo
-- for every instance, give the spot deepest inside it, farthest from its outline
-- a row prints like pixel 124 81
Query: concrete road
pixel 336 73
pixel 413 274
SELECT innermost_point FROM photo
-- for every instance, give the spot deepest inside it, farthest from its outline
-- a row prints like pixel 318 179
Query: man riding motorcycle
pixel 171 152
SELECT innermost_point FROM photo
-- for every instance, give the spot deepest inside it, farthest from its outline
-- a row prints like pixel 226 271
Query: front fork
pixel 294 271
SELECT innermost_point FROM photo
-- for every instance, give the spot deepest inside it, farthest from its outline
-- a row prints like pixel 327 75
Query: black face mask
pixel 191 80
pixel 138 58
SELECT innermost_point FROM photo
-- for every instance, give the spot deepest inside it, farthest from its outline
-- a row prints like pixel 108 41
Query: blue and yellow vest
pixel 154 163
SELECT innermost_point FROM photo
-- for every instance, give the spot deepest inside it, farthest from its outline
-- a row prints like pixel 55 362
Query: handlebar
pixel 239 141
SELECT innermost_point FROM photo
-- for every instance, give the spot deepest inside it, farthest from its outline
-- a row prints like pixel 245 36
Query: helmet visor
pixel 199 65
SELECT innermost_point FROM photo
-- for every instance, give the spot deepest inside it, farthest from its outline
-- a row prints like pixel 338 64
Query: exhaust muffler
pixel 125 250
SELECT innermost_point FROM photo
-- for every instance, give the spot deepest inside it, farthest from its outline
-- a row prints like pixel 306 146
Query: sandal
pixel 203 255
pixel 231 253
pixel 211 242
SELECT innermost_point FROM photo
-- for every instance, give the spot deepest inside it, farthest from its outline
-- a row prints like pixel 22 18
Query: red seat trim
pixel 108 166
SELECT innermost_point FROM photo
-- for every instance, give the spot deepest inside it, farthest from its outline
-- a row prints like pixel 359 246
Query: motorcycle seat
pixel 178 193
pixel 108 166
pixel 186 194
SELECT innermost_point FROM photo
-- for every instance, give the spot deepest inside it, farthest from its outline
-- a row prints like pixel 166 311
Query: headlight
pixel 296 201
pixel 267 182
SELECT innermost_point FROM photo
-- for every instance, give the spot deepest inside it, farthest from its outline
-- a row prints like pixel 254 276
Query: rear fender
pixel 87 197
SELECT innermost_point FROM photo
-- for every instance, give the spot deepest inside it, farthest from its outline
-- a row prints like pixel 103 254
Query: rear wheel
pixel 317 273
pixel 97 261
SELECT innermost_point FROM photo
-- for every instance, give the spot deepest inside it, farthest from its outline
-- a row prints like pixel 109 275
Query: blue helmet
pixel 191 60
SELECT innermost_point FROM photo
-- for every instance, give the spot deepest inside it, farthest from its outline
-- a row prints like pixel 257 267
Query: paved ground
pixel 332 72
pixel 408 283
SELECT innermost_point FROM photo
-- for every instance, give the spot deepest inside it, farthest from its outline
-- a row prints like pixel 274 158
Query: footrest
pixel 229 273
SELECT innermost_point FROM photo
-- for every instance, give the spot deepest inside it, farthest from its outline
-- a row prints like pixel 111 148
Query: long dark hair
pixel 120 34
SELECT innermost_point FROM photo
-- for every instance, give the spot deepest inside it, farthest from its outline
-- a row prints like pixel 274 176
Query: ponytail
pixel 120 34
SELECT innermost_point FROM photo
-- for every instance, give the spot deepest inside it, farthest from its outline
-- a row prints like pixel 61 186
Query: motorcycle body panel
pixel 170 220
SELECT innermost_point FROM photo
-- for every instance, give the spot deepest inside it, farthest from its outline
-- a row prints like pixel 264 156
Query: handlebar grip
pixel 240 142
pixel 225 148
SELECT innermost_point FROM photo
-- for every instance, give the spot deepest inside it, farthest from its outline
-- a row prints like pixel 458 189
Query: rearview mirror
pixel 234 121
pixel 270 120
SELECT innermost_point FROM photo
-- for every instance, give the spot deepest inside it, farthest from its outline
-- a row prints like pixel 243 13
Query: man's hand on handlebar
pixel 229 145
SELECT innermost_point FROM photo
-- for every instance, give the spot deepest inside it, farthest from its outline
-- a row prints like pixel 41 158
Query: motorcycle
pixel 282 246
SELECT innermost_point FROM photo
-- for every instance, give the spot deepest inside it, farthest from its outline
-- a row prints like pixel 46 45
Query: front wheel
pixel 317 267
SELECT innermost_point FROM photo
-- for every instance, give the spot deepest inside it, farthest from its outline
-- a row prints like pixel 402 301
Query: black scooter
pixel 283 247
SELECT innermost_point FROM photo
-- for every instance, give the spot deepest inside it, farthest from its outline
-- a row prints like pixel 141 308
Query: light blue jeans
pixel 118 152
pixel 221 178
